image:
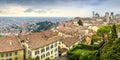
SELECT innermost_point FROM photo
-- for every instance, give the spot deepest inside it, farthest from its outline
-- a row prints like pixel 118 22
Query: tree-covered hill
pixel 41 26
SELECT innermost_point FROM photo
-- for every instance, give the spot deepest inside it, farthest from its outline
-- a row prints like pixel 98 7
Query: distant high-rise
pixel 107 17
pixel 112 13
pixel 93 13
pixel 97 15
pixel 112 16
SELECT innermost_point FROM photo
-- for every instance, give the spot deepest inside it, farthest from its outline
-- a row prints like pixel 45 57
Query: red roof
pixel 8 44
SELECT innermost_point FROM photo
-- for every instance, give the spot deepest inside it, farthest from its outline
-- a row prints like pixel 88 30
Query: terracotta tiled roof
pixel 37 40
pixel 69 41
pixel 8 44
pixel 62 50
pixel 86 19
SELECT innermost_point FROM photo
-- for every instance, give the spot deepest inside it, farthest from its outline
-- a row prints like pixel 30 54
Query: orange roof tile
pixel 38 40
pixel 69 41
pixel 8 44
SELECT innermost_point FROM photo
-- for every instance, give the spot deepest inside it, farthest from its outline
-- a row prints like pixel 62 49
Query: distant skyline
pixel 62 8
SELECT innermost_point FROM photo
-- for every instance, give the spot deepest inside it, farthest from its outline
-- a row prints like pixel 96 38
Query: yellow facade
pixel 76 23
pixel 88 40
pixel 15 55
pixel 50 53
pixel 62 45
pixel 60 34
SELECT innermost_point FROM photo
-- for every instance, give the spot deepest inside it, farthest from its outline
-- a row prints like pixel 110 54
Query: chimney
pixel 11 43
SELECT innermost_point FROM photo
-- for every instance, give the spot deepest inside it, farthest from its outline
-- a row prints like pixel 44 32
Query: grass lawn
pixel 79 51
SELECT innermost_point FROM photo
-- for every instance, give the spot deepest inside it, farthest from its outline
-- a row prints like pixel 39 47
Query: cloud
pixel 50 3
pixel 57 7
pixel 12 9
pixel 34 10
pixel 1 12
pixel 28 10
pixel 41 11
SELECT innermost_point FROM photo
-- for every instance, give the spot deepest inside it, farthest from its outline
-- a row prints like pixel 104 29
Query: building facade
pixel 14 55
pixel 40 45
pixel 11 49
pixel 48 51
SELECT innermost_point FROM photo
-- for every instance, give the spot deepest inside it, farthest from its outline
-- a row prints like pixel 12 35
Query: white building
pixel 38 44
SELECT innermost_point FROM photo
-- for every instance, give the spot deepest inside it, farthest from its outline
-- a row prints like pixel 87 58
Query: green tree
pixel 73 57
pixel 92 42
pixel 96 38
pixel 47 59
pixel 111 51
pixel 41 26
pixel 37 58
pixel 113 31
pixel 1 35
pixel 29 58
pixel 89 56
pixel 104 30
pixel 80 22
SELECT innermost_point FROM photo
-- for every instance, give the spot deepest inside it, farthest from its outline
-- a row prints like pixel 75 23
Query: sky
pixel 57 8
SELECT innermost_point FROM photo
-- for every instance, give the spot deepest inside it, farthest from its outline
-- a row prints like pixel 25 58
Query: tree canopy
pixel 111 51
pixel 96 38
pixel 89 56
pixel 36 58
pixel 104 30
pixel 114 31
pixel 80 22
pixel 41 26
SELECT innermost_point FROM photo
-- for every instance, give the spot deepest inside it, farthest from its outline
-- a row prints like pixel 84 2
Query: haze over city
pixel 53 8
pixel 59 30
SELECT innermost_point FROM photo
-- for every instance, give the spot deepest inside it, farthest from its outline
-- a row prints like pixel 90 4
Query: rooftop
pixel 10 43
pixel 69 41
pixel 38 40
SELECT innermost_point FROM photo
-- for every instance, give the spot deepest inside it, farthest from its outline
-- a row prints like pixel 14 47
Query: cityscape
pixel 59 30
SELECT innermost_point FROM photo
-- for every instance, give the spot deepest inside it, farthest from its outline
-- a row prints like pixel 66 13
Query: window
pixel 51 46
pixel 42 56
pixel 55 54
pixel 10 54
pixel 9 59
pixel 2 55
pixel 51 52
pixel 47 48
pixel 43 50
pixel 55 44
pixel 29 52
pixel 55 50
pixel 6 54
pixel 51 56
pixel 59 43
pixel 36 52
pixel 16 58
pixel 48 53
pixel 16 53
